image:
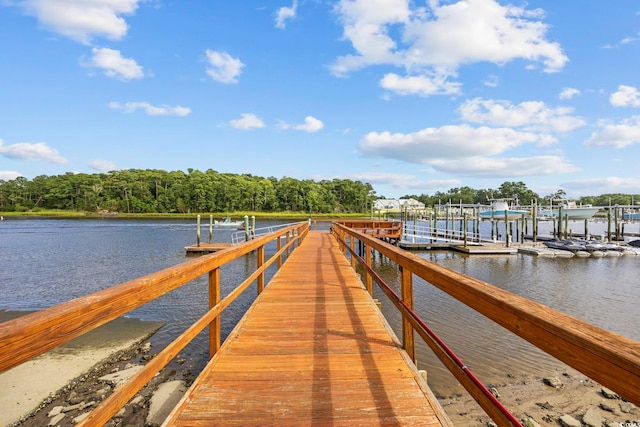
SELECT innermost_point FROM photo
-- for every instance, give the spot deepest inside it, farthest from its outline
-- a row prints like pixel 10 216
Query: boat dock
pixel 313 349
pixel 205 248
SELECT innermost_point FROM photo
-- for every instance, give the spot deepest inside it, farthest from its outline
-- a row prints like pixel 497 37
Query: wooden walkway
pixel 312 350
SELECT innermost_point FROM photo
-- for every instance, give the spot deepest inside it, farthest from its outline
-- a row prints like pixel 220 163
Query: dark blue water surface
pixel 44 262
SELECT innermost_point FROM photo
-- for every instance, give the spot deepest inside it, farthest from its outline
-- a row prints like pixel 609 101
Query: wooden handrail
pixel 608 358
pixel 28 336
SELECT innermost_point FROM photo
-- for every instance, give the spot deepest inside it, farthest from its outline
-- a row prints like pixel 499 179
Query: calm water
pixel 44 262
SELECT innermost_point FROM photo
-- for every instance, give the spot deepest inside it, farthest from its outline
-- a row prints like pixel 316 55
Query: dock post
pixel 608 225
pixel 464 218
pixel 586 229
pixel 210 228
pixel 446 222
pixel 198 230
pixel 253 226
pixel 246 228
pixel 507 231
pixel 559 221
pixel 615 223
pixel 534 225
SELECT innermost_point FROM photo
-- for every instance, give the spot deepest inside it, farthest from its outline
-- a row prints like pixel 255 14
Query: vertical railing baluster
pixel 214 299
pixel 408 339
pixel 260 263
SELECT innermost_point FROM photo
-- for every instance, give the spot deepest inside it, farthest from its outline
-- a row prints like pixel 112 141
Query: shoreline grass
pixel 203 215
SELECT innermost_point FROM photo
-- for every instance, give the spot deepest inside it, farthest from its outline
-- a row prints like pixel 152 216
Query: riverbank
pixel 35 384
pixel 565 397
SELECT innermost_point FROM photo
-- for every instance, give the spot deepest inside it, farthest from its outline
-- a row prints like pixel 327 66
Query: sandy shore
pixel 29 386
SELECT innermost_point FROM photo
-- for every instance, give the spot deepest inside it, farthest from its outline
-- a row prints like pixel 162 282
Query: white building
pixel 398 205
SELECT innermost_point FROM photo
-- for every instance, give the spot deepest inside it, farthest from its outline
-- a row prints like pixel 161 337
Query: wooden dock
pixel 470 249
pixel 205 248
pixel 313 350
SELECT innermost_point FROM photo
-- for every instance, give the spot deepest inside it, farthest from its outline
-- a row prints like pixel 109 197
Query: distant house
pixel 398 205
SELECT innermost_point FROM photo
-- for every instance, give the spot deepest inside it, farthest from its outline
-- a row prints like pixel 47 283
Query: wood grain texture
pixel 312 350
pixel 608 358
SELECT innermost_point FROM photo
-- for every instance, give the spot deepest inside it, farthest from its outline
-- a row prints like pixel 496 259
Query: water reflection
pixel 602 291
pixel 44 262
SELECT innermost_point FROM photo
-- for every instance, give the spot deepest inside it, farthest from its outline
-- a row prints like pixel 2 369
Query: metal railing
pixel 415 232
pixel 244 235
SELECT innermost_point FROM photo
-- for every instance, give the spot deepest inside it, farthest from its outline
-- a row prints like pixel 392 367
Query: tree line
pixel 519 194
pixel 159 191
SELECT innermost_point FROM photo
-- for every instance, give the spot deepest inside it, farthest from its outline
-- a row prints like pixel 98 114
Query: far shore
pixel 263 215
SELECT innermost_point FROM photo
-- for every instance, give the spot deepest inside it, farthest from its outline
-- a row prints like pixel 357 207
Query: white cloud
pixel 492 81
pixel 605 185
pixel 247 121
pixel 419 85
pixel 37 151
pixel 447 142
pixel 442 36
pixel 311 124
pixel 481 166
pixel 530 115
pixel 622 134
pixel 102 165
pixel 568 93
pixel 111 62
pixel 625 96
pixel 223 67
pixel 151 110
pixel 404 181
pixel 82 20
pixel 9 175
pixel 286 13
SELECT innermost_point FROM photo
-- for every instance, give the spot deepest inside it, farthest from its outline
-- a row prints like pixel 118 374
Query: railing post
pixel 367 260
pixel 214 299
pixel 352 245
pixel 279 246
pixel 408 339
pixel 260 263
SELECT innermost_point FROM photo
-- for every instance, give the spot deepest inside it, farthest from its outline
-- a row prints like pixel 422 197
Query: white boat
pixel 569 209
pixel 228 223
pixel 499 208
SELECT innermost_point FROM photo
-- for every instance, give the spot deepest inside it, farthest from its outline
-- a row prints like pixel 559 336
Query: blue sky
pixel 411 96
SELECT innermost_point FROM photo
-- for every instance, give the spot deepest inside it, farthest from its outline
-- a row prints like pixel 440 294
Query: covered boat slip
pixel 313 350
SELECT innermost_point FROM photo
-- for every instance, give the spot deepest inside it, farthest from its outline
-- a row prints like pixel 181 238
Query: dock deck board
pixel 313 349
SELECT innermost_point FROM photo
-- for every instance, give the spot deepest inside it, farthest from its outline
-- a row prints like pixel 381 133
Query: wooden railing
pixel 28 336
pixel 391 230
pixel 607 358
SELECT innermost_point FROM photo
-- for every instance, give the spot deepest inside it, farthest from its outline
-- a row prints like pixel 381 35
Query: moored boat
pixel 500 208
pixel 569 209
pixel 228 223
